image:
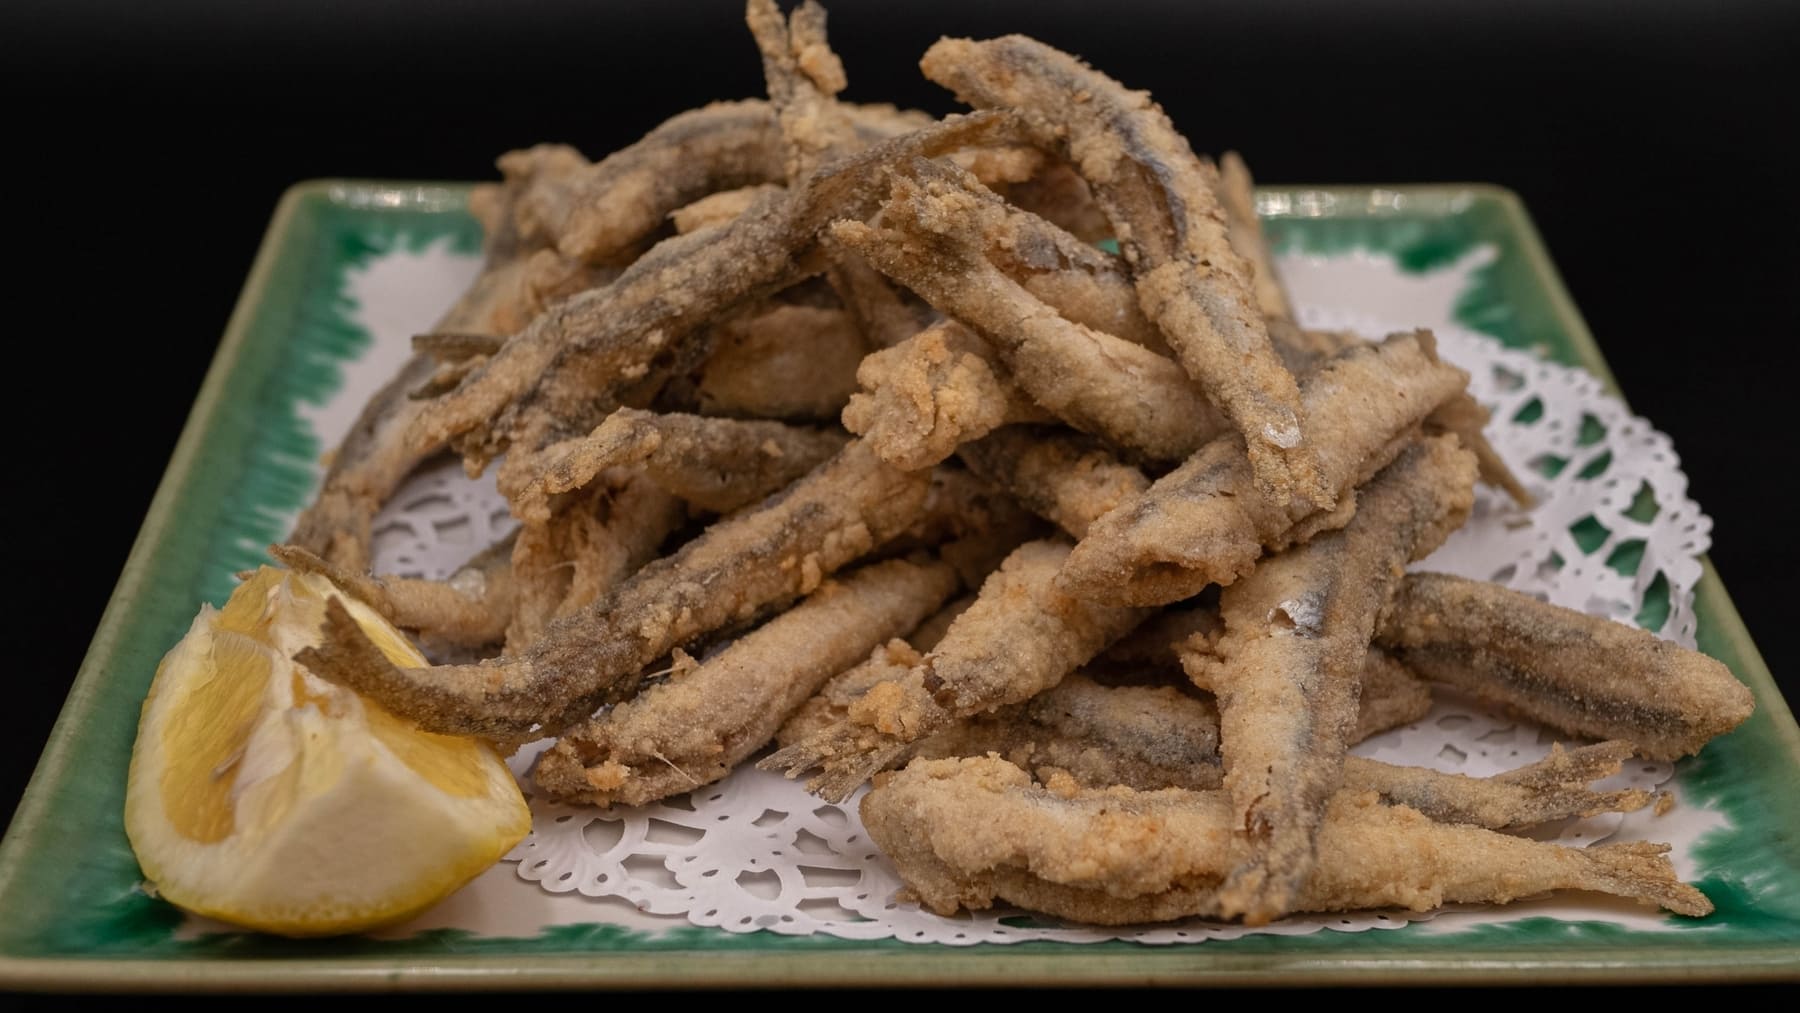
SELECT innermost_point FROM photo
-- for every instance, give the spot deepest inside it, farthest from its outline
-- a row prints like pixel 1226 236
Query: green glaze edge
pixel 1753 945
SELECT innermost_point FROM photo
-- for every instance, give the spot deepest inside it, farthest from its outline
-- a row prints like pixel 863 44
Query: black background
pixel 146 146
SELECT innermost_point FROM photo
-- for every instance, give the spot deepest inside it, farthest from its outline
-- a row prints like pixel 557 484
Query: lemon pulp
pixel 263 795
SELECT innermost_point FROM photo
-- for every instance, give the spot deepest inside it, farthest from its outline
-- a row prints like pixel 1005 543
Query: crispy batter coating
pixel 715 464
pixel 1162 202
pixel 469 610
pixel 1019 638
pixel 1082 282
pixel 1144 737
pixel 718 208
pixel 1068 479
pixel 1153 737
pixel 830 706
pixel 1058 194
pixel 787 362
pixel 694 728
pixel 1391 696
pixel 593 540
pixel 932 630
pixel 965 833
pixel 1237 196
pixel 601 212
pixel 562 375
pixel 1286 669
pixel 1554 788
pixel 972 524
pixel 933 392
pixel 377 453
pixel 730 572
pixel 804 77
pixel 930 239
pixel 1208 521
pixel 1577 673
pixel 609 207
pixel 1305 351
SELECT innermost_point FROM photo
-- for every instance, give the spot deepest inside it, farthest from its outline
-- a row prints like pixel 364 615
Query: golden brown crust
pixel 1067 479
pixel 1579 674
pixel 789 361
pixel 931 393
pixel 930 239
pixel 1020 637
pixel 694 728
pixel 1164 209
pixel 578 360
pixel 1286 670
pixel 965 833
pixel 729 573
pixel 714 464
pixel 1207 521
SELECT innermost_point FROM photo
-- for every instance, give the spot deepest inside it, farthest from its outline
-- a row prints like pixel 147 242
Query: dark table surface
pixel 147 145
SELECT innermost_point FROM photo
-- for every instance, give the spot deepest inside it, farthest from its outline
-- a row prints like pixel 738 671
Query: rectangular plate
pixel 72 914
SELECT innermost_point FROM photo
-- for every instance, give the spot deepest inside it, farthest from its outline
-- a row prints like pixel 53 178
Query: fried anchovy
pixel 1058 194
pixel 693 729
pixel 1153 737
pixel 1065 478
pixel 592 541
pixel 786 362
pixel 1082 282
pixel 718 208
pixel 931 393
pixel 1305 351
pixel 1554 788
pixel 715 464
pixel 1144 737
pixel 830 706
pixel 1019 638
pixel 469 609
pixel 1391 696
pixel 804 77
pixel 929 239
pixel 1208 521
pixel 754 558
pixel 604 210
pixel 376 454
pixel 1163 205
pixel 965 833
pixel 1237 196
pixel 1577 673
pixel 1286 669
pixel 565 373
pixel 968 522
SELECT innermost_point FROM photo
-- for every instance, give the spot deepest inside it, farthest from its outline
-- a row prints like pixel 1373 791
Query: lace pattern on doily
pixel 755 851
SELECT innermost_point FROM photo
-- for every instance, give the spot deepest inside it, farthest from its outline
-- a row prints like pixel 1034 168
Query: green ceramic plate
pixel 72 915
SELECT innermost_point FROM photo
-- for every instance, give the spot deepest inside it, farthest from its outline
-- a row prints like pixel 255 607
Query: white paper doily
pixel 755 851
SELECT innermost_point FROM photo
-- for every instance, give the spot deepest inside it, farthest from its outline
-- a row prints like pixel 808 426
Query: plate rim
pixel 912 966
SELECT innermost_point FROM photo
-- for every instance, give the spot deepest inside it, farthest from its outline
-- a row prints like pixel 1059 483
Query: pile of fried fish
pixel 1094 563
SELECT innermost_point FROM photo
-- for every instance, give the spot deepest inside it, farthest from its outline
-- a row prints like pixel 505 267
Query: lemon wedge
pixel 264 796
